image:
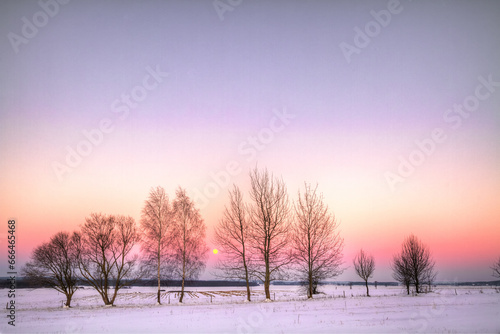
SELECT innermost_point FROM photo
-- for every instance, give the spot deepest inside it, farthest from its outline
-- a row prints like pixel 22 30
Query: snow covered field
pixel 468 310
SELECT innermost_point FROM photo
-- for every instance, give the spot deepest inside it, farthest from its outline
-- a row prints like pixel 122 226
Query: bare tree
pixel 415 262
pixel 401 271
pixel 104 248
pixel 317 246
pixel 429 277
pixel 156 223
pixel 269 225
pixel 53 264
pixel 364 264
pixel 496 268
pixel 189 247
pixel 232 236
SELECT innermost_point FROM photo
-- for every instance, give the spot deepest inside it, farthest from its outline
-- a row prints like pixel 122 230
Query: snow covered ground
pixel 389 310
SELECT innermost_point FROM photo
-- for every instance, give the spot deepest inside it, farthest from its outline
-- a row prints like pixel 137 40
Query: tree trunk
pixel 182 290
pixel 159 281
pixel 105 296
pixel 310 289
pixel 183 276
pixel 68 300
pixel 246 279
pixel 112 302
pixel 115 293
pixel 267 282
pixel 183 263
pixel 248 292
pixel 367 291
pixel 309 263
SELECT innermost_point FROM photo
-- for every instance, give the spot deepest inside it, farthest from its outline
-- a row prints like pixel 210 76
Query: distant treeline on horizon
pixel 22 282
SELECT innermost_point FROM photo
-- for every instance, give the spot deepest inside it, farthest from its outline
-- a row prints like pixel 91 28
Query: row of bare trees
pixel 102 252
pixel 265 238
pixel 174 238
pixel 269 238
pixel 412 266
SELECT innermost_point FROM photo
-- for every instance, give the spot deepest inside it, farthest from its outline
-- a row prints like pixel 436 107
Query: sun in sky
pixel 216 251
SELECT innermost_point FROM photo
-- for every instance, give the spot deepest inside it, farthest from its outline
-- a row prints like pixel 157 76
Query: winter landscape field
pixel 271 142
pixel 449 309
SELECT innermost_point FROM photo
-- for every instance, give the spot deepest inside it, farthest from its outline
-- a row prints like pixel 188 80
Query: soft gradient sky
pixel 227 80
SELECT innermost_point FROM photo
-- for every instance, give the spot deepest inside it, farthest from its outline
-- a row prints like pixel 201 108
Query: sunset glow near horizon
pixel 108 100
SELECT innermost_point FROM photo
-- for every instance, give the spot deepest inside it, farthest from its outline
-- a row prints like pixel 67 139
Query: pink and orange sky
pixel 183 92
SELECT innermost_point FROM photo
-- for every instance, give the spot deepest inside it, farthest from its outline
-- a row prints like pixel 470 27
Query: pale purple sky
pixel 226 81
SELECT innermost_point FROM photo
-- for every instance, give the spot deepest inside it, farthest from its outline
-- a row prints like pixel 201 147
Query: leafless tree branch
pixel 53 264
pixel 316 243
pixel 157 224
pixel 104 257
pixel 269 217
pixel 188 242
pixel 364 265
pixel 232 237
pixel 414 265
pixel 496 268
